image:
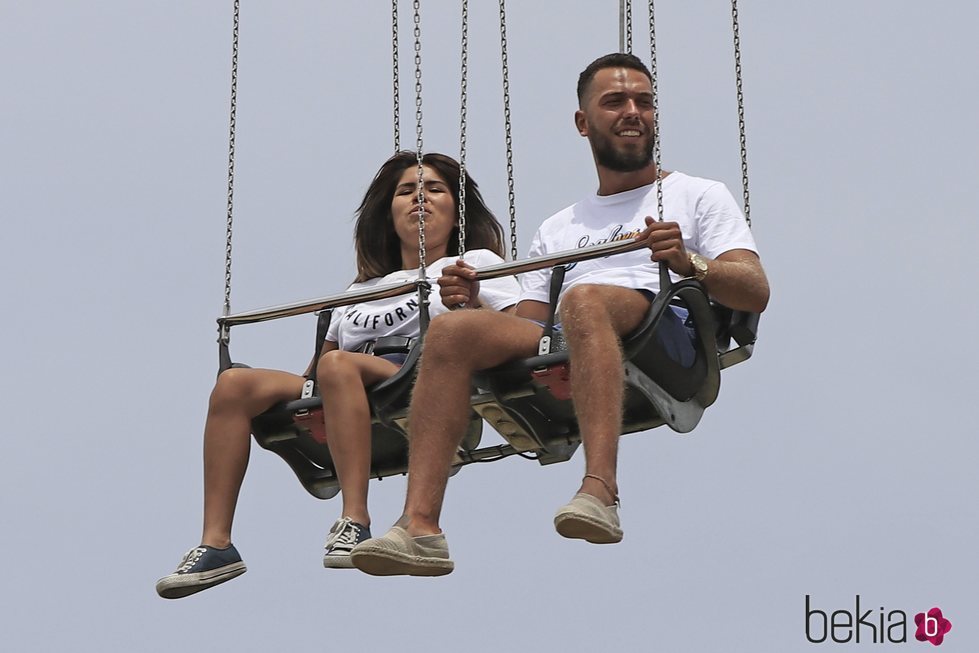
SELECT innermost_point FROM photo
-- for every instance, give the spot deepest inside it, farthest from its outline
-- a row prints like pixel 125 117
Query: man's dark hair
pixel 614 60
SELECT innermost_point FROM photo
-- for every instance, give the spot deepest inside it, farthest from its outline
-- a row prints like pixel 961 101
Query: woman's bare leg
pixel 239 395
pixel 343 378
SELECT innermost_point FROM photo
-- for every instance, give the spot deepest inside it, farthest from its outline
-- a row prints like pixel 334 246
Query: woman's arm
pixel 328 345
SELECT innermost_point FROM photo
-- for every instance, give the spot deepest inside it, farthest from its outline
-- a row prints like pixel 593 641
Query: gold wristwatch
pixel 699 264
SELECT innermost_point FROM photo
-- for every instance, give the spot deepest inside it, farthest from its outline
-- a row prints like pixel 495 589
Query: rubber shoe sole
pixel 344 535
pixel 399 554
pixel 337 561
pixel 177 586
pixel 585 518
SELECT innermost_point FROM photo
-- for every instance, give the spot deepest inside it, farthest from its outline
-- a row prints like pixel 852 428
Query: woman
pixel 386 243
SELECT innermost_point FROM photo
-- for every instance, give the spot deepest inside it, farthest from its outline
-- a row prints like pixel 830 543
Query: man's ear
pixel 580 123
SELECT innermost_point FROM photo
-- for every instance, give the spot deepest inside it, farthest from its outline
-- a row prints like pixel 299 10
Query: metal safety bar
pixel 505 269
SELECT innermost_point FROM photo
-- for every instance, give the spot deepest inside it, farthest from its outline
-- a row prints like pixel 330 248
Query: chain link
pixel 231 165
pixel 418 138
pixel 628 26
pixel 741 125
pixel 462 126
pixel 657 151
pixel 509 138
pixel 396 81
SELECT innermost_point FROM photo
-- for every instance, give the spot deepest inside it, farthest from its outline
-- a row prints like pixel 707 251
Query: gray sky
pixel 838 461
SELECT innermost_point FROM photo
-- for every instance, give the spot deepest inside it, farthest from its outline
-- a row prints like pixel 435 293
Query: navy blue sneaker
pixel 344 536
pixel 201 568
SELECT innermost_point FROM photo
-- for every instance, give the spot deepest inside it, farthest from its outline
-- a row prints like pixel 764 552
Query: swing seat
pixel 737 328
pixel 528 402
pixel 294 431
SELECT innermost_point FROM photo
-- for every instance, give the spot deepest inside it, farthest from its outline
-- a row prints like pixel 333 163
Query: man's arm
pixel 735 278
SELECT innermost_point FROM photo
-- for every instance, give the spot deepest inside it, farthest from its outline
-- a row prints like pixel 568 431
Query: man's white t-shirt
pixel 710 220
pixel 353 326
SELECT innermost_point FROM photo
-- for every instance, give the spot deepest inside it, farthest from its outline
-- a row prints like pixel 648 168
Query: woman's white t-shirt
pixel 353 326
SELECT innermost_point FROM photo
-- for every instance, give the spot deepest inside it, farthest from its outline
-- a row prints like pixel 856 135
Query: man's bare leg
pixel 594 318
pixel 456 345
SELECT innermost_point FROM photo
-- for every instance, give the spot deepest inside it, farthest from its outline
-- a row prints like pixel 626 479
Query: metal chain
pixel 462 127
pixel 657 147
pixel 628 26
pixel 231 166
pixel 509 138
pixel 741 126
pixel 396 94
pixel 418 138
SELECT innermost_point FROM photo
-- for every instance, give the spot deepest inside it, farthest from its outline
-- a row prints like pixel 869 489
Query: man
pixel 703 235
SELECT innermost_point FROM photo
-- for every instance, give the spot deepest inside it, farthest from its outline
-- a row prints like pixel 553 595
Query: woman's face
pixel 439 210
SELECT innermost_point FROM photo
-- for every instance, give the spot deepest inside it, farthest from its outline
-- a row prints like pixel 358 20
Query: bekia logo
pixel 932 626
pixel 873 626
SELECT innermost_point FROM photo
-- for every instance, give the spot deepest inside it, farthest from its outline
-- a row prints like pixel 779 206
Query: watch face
pixel 699 266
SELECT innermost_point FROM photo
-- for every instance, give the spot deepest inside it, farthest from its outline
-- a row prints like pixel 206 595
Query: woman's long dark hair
pixel 376 242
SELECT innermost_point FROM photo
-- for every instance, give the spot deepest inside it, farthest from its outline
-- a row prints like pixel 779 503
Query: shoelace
pixel 345 531
pixel 190 559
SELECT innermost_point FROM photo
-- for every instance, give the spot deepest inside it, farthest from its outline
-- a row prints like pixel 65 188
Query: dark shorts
pixel 674 332
pixel 397 359
pixel 677 335
pixel 390 348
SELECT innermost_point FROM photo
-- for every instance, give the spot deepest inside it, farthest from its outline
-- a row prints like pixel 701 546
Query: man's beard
pixel 609 157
